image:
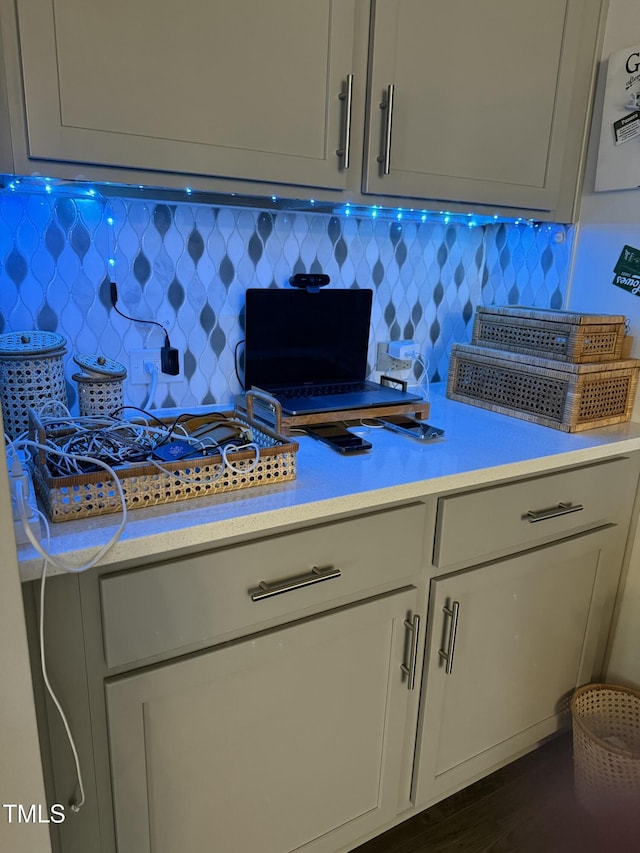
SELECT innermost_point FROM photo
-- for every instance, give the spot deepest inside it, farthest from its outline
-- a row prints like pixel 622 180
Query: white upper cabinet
pixel 489 107
pixel 472 102
pixel 233 88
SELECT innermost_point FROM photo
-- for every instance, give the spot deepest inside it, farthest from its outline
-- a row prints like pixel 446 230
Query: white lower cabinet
pixel 268 744
pixel 507 643
pixel 282 694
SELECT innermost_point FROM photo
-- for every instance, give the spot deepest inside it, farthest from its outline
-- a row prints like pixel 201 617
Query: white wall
pixel 608 221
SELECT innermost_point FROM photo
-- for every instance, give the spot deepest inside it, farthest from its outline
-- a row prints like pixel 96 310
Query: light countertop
pixel 479 447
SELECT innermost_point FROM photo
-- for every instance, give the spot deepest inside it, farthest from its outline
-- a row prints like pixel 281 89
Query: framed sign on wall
pixel 618 166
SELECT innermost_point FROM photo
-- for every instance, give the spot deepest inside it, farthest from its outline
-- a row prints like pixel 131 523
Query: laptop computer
pixel 309 350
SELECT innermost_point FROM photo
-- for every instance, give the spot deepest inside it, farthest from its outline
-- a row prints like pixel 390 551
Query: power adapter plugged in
pixel 169 361
pixel 169 356
pixel 402 350
pixel 396 355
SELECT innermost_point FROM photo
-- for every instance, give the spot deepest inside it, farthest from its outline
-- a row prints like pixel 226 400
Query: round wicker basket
pixel 31 374
pixel 99 385
pixel 606 746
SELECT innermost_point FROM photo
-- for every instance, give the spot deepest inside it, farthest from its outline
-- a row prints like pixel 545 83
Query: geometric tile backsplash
pixel 187 266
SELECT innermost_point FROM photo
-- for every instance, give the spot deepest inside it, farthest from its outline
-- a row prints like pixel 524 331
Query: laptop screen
pixel 293 337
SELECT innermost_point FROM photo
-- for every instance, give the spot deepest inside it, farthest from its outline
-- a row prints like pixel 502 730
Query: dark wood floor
pixel 527 807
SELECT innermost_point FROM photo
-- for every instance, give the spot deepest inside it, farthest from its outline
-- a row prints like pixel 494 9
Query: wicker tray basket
pixel 145 485
pixel 568 397
pixel 561 335
pixel 606 746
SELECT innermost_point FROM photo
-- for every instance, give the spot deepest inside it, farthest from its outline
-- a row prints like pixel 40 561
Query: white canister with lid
pixel 99 384
pixel 31 375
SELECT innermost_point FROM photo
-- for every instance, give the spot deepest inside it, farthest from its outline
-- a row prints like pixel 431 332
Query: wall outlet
pixel 387 362
pixel 138 375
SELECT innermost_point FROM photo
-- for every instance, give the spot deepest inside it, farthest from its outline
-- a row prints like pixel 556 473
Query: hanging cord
pixel 44 551
pixel 22 500
pixel 22 512
pixel 169 356
pixel 113 291
pixel 77 805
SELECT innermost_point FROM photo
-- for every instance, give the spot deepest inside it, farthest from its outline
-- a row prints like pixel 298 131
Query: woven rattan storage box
pixel 145 485
pixel 561 335
pixel 568 397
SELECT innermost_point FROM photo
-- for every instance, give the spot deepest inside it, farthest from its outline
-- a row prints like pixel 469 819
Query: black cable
pixel 113 290
pixel 169 427
pixel 147 414
pixel 235 364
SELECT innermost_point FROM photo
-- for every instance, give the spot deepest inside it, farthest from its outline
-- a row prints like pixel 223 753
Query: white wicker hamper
pixel 606 747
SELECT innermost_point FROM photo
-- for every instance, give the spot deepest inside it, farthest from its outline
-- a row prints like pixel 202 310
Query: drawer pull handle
pixel 452 612
pixel 409 669
pixel 347 97
pixel 553 512
pixel 385 157
pixel 267 590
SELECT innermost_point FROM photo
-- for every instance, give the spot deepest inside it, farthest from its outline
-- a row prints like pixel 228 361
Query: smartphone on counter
pixel 411 427
pixel 338 438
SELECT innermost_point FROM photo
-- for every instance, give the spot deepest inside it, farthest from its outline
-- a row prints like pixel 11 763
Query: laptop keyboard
pixel 321 390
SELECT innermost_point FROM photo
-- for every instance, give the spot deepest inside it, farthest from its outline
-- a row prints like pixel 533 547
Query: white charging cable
pixel 226 449
pixel 21 504
pixel 65 567
pixel 197 479
pixel 424 363
pixel 152 371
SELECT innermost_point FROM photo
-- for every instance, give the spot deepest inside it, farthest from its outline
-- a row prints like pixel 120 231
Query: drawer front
pixel 475 525
pixel 197 599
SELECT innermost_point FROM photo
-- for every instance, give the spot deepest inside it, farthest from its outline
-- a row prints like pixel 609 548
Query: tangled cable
pixel 77 445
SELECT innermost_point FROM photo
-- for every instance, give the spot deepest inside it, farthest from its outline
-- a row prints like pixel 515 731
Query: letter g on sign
pixel 633 63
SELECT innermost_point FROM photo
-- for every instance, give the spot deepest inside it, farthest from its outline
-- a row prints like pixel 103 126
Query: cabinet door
pixel 482 96
pixel 268 744
pixel 233 88
pixel 521 634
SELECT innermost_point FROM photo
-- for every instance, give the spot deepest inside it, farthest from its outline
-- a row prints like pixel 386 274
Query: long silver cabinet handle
pixel 347 97
pixel 447 656
pixel 267 590
pixel 385 157
pixel 553 512
pixel 410 669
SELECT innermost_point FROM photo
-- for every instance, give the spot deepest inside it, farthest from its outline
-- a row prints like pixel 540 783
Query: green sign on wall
pixel 627 270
